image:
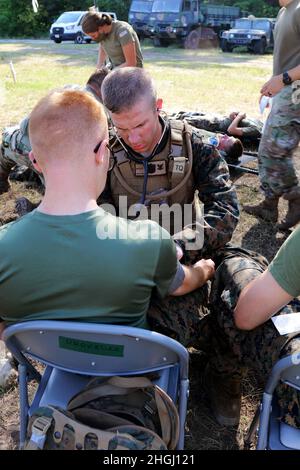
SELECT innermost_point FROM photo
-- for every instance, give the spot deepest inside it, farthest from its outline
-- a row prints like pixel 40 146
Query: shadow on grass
pixel 263 238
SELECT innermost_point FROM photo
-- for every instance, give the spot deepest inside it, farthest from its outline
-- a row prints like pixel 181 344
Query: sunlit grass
pixel 186 80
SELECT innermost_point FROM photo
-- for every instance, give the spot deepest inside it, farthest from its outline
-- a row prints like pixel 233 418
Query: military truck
pixel 254 33
pixel 189 22
pixel 138 17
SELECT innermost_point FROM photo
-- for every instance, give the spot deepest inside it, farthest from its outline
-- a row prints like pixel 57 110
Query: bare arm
pixel 129 52
pixel 258 301
pixel 275 84
pixel 234 128
pixel 101 57
pixel 195 276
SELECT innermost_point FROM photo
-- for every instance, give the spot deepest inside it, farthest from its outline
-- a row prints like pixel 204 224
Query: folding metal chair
pixel 73 352
pixel 273 434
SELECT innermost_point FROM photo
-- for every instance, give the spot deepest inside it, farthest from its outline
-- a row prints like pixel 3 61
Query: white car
pixel 68 27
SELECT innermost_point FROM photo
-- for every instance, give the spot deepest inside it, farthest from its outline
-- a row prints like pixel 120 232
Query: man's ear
pixel 159 104
pixel 101 154
pixel 34 162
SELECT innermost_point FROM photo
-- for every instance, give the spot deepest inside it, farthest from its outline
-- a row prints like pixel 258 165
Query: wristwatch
pixel 286 78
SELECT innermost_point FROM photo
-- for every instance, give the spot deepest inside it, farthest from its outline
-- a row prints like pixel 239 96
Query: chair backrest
pixel 286 370
pixel 272 433
pixel 95 349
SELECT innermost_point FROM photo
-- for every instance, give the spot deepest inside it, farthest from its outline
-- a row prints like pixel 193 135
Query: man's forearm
pixel 195 276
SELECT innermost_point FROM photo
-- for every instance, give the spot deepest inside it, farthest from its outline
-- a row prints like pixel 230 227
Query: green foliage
pixel 17 18
pixel 120 7
pixel 257 8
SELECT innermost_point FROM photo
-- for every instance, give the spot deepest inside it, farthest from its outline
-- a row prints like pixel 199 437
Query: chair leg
pixel 24 406
pixel 264 421
pixel 183 397
pixel 252 429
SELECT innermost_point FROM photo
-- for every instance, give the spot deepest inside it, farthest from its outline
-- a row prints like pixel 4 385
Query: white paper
pixel 264 103
pixel 287 323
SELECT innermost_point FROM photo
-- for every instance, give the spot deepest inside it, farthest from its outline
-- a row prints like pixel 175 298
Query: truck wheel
pixel 79 39
pixel 88 41
pixel 192 41
pixel 225 46
pixel 156 42
pixel 260 46
pixel 58 41
pixel 161 42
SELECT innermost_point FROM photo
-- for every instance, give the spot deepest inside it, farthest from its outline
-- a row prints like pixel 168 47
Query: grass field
pixel 186 80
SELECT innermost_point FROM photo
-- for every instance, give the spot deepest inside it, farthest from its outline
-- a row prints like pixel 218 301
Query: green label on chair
pixel 89 347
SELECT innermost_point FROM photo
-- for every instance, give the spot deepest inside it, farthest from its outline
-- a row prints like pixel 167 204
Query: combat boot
pixel 4 183
pixel 224 393
pixel 293 215
pixel 267 209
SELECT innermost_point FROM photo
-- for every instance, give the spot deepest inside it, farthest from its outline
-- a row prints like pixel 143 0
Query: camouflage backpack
pixel 115 413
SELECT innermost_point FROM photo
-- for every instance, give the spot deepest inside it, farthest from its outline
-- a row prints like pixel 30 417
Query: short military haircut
pixel 96 79
pixel 235 151
pixel 62 122
pixel 93 20
pixel 125 87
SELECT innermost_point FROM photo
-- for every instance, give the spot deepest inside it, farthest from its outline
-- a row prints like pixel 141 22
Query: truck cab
pixel 174 21
pixel 254 33
pixel 138 17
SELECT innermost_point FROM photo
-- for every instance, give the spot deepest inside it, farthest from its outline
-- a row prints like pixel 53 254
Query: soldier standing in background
pixel 119 43
pixel 282 131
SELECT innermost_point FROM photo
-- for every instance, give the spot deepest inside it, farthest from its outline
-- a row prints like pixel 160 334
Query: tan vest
pixel 170 178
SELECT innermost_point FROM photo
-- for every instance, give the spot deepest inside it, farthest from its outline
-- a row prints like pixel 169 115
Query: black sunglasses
pixel 111 159
pixel 99 145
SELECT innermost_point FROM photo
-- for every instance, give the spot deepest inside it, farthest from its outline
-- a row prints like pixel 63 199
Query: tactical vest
pixel 170 178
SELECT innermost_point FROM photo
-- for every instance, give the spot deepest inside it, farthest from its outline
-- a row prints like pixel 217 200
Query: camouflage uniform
pixel 252 128
pixel 231 351
pixel 15 147
pixel 280 138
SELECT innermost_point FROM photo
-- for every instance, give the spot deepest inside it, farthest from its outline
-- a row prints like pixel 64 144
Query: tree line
pixel 17 18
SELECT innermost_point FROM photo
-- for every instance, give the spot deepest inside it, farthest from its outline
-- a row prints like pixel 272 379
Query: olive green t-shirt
pixel 287 38
pixel 285 268
pixel 121 34
pixel 89 267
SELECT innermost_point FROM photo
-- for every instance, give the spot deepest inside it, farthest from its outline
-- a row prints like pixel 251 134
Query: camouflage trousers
pixel 210 326
pixel 15 148
pixel 280 138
